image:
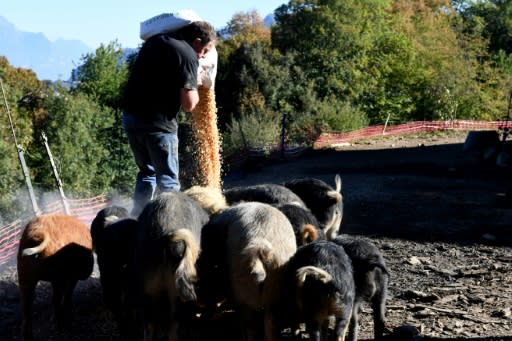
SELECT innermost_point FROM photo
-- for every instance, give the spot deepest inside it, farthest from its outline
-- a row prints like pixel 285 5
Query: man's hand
pixel 204 76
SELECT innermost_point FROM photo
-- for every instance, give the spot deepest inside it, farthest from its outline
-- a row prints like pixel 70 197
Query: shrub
pixel 251 131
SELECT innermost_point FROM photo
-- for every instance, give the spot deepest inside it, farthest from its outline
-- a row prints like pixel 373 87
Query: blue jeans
pixel 156 156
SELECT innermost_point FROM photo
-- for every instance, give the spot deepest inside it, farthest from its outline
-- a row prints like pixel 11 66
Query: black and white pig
pixel 316 285
pixel 324 201
pixel 167 249
pixel 371 278
pixel 242 248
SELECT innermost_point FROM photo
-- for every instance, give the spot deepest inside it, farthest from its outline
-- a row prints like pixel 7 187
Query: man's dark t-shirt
pixel 163 66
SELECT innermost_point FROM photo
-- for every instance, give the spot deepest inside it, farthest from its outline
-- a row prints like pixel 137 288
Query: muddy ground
pixel 440 214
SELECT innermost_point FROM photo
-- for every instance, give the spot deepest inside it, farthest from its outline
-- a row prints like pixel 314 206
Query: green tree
pixel 24 93
pixel 21 97
pixel 492 19
pixel 256 85
pixel 243 95
pixel 355 54
pixel 11 180
pixel 401 60
pixel 455 78
pixel 102 76
pixel 330 39
pixel 74 124
pixel 243 29
pixel 263 85
pixel 392 74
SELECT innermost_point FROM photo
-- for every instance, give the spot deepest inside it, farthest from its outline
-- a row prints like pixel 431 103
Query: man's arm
pixel 189 99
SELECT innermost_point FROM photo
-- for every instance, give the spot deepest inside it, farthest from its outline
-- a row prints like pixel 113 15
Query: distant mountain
pixel 269 20
pixel 49 60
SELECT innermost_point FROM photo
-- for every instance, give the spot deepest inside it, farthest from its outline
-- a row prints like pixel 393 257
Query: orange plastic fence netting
pixel 84 209
pixel 330 138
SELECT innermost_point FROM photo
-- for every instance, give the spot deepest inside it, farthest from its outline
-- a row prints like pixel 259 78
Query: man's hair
pixel 197 29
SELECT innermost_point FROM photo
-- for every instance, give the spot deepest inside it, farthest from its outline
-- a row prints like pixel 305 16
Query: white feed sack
pixel 208 68
pixel 167 22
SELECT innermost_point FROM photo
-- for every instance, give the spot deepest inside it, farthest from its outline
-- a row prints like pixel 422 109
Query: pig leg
pixel 271 333
pixel 325 330
pixel 251 323
pixel 314 330
pixel 353 329
pixel 315 335
pixel 150 323
pixel 379 312
pixel 174 324
pixel 110 291
pixel 62 295
pixel 149 332
pixel 27 297
pixel 342 323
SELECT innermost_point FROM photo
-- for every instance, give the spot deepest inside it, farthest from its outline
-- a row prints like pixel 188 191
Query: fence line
pixel 327 139
pixel 86 209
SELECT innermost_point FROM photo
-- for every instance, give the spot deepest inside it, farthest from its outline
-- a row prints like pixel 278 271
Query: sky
pixel 102 21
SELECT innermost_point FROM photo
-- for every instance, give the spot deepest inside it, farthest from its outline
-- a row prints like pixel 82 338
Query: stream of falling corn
pixel 204 125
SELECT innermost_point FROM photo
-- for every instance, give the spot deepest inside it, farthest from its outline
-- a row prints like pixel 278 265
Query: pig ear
pixel 337 181
pixel 334 195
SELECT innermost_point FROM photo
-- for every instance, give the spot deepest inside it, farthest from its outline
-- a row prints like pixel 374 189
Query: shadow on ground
pixel 422 193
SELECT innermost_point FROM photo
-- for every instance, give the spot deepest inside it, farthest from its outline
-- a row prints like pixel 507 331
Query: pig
pixel 324 201
pixel 113 235
pixel 266 193
pixel 242 248
pixel 167 249
pixel 105 217
pixel 210 198
pixel 316 285
pixel 56 248
pixel 371 278
pixel 304 223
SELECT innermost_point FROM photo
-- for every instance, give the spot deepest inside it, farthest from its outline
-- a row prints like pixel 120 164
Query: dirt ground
pixel 440 214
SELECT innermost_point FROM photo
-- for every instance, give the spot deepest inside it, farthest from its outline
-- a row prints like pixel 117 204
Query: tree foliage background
pixel 323 65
